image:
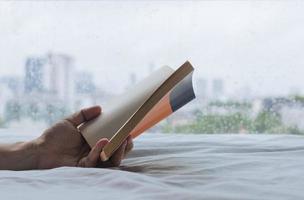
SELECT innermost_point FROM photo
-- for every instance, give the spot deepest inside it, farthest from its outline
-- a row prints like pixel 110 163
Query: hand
pixel 63 145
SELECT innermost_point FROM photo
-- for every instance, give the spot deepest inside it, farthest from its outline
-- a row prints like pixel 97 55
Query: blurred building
pixel 60 76
pixel 13 83
pixel 10 90
pixel 85 89
pixel 34 75
pixel 84 83
pixel 51 75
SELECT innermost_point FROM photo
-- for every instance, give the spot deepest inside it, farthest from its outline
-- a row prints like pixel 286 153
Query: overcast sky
pixel 256 44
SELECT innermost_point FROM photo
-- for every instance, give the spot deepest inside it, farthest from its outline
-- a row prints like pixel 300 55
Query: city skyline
pixel 206 87
pixel 56 74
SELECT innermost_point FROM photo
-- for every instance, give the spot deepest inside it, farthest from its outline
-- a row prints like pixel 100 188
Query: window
pixel 57 57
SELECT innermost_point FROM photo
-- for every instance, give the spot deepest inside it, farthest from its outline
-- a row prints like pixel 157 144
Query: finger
pixel 92 158
pixel 118 155
pixel 84 115
pixel 130 144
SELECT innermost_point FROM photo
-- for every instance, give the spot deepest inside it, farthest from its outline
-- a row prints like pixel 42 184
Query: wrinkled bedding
pixel 174 166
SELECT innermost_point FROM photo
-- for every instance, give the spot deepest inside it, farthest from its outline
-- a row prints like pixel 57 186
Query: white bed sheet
pixel 174 166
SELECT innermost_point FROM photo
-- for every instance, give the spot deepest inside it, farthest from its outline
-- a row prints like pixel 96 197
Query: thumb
pixel 92 159
pixel 84 115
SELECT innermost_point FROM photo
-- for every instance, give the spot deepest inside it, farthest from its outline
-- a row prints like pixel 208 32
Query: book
pixel 141 107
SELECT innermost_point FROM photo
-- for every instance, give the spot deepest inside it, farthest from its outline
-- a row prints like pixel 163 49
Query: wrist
pixel 19 156
pixel 31 152
pixel 28 154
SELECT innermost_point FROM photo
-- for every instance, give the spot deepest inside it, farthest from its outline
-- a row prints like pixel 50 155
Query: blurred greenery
pixel 264 122
pixel 298 98
pixel 267 122
pixel 215 117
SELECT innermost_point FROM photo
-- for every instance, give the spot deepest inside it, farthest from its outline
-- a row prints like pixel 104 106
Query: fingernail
pixel 102 142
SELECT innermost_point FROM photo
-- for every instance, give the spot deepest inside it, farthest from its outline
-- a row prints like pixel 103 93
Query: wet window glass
pixel 58 57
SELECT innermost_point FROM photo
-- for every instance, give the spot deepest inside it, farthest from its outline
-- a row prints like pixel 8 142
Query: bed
pixel 174 166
